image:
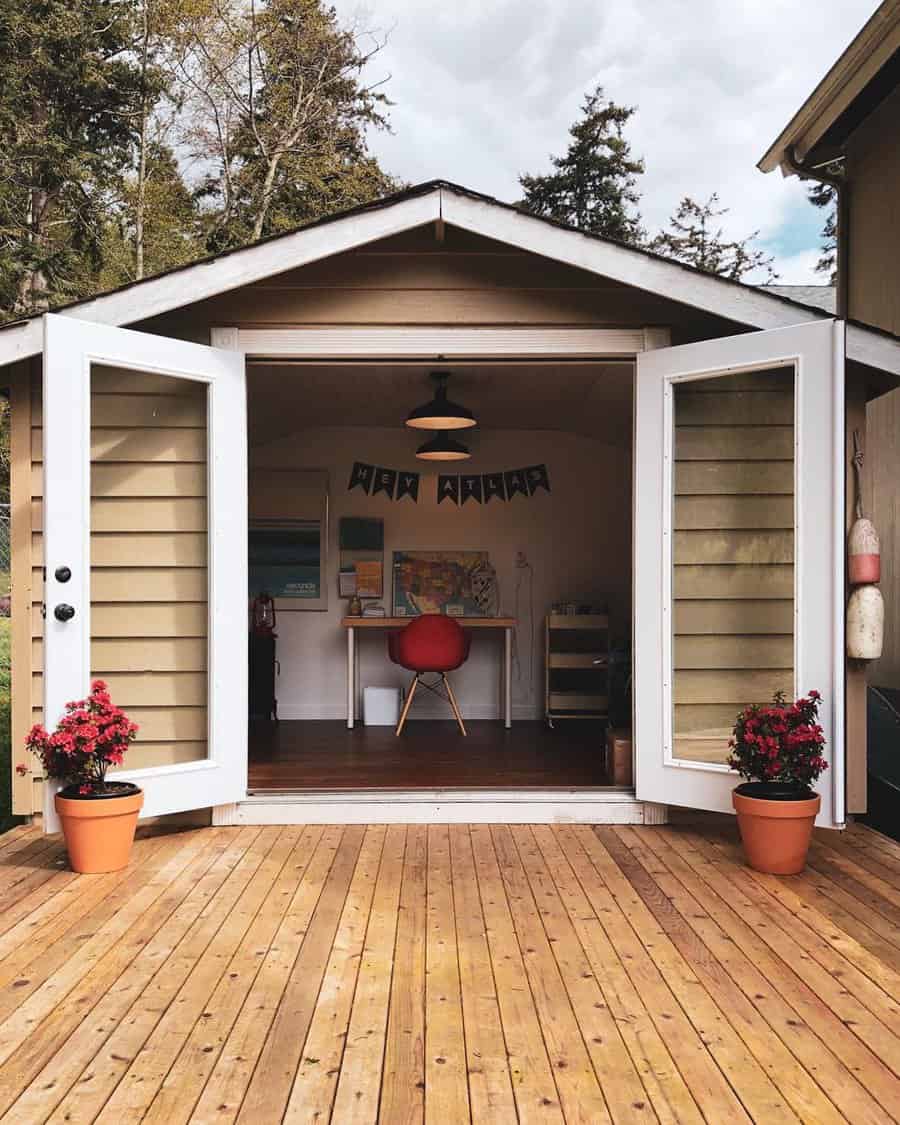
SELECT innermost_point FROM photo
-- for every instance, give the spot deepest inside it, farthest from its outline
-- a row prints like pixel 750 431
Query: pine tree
pixel 695 238
pixel 66 80
pixel 824 195
pixel 594 186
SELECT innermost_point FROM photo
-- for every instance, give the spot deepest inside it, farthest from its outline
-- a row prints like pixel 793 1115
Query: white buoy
pixel 865 623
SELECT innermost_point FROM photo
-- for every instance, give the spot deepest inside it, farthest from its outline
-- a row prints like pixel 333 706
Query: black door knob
pixel 62 574
pixel 64 612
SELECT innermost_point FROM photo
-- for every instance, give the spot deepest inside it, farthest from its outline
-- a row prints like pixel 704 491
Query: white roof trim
pixel 844 82
pixel 739 303
pixel 159 295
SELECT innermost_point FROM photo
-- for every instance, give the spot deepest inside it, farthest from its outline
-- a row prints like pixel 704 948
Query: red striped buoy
pixel 863 554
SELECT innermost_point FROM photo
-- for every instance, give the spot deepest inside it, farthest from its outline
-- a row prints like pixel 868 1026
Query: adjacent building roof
pixel 441 201
pixel 822 297
pixel 861 78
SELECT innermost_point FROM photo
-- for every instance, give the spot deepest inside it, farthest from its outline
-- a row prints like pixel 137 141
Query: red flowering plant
pixel 92 735
pixel 780 742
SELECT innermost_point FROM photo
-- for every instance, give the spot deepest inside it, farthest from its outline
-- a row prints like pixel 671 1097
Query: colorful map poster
pixel 436 582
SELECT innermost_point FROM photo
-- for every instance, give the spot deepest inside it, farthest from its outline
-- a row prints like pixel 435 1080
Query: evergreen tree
pixel 66 80
pixel 170 233
pixel 695 238
pixel 824 195
pixel 594 186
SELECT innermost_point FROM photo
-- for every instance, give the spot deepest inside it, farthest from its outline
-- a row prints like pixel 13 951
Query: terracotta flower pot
pixel 99 830
pixel 775 827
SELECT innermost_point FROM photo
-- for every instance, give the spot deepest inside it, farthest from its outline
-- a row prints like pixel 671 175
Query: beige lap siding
pixel 733 552
pixel 148 557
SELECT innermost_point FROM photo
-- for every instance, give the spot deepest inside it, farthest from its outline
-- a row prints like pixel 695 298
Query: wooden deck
pixel 491 974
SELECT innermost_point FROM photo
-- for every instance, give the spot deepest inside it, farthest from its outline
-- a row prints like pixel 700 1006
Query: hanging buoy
pixel 863 553
pixel 865 623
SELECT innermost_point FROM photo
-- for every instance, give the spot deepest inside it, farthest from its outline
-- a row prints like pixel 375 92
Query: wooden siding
pixel 443 976
pixel 414 279
pixel 733 553
pixel 148 557
pixel 873 172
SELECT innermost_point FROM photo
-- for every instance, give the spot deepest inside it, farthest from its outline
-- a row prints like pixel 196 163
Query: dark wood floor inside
pixel 428 755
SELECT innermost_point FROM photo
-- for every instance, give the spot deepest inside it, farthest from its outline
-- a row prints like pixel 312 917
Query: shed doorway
pixel 565 547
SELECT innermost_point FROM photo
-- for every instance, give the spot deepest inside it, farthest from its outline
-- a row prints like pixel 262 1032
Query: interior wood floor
pixel 448 975
pixel 429 754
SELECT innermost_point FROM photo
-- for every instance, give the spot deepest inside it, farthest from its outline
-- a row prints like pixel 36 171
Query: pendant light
pixel 442 447
pixel 440 413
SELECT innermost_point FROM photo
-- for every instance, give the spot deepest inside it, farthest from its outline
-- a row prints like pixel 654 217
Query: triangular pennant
pixel 493 487
pixel 385 481
pixel 469 489
pixel 537 477
pixel 515 483
pixel 448 489
pixel 408 485
pixel 361 476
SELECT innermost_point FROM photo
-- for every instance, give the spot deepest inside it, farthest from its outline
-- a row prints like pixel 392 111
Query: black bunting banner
pixel 537 478
pixel 385 481
pixel 361 476
pixel 448 489
pixel 397 484
pixel 515 483
pixel 408 485
pixel 493 487
pixel 470 489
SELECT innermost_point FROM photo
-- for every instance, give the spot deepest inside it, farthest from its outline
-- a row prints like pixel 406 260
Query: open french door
pixel 144 538
pixel 738 551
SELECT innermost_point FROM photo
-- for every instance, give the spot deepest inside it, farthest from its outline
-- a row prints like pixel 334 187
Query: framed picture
pixel 438 582
pixel 288 537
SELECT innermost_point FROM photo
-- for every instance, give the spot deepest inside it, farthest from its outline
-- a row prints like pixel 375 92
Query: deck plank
pixel 356 1099
pixel 403 1078
pixel 580 1093
pixel 227 1085
pixel 480 974
pixel 269 1088
pixel 490 1089
pixel 83 984
pixel 446 1080
pixel 790 1055
pixel 828 1003
pixel 315 1083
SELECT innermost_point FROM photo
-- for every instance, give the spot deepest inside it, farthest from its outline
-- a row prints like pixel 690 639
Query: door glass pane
pixel 149 603
pixel 732 553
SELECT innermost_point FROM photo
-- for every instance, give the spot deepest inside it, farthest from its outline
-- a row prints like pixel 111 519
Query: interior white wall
pixel 577 539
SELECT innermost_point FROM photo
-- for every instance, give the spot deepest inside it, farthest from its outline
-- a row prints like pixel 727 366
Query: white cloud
pixel 800 269
pixel 487 90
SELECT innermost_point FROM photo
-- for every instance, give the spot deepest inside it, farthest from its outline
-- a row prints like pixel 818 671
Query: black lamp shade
pixel 440 413
pixel 442 447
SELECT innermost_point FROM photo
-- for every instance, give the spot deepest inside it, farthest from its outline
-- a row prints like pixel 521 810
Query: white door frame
pixel 816 351
pixel 71 348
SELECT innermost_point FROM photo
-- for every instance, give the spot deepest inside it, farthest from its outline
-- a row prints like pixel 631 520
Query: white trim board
pixel 740 303
pixel 444 806
pixel 451 343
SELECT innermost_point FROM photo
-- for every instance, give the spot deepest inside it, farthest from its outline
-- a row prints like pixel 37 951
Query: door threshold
pixel 601 805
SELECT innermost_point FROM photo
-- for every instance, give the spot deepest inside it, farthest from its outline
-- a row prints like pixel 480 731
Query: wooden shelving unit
pixel 576 667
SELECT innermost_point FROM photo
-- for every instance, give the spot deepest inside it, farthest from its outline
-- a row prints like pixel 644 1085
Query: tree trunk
pixel 265 201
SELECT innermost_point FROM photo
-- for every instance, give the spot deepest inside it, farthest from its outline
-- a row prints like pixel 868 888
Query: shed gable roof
pixel 439 200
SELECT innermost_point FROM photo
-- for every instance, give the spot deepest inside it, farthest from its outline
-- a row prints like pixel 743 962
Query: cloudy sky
pixel 486 89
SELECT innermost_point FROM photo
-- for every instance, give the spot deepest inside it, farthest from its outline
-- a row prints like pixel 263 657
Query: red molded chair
pixel 430 643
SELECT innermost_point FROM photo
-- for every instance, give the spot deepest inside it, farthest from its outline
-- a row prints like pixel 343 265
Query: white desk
pixel 351 624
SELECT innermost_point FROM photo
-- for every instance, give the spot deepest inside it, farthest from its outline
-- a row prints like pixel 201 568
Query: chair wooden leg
pixel 407 705
pixel 453 704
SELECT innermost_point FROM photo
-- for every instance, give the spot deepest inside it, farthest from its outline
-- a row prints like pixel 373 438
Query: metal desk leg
pixel 351 677
pixel 507 678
